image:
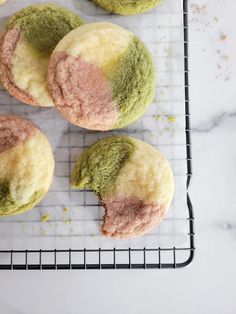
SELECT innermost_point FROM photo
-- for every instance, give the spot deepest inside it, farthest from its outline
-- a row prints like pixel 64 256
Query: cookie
pixel 133 180
pixel 2 1
pixel 26 165
pixel 127 7
pixel 26 42
pixel 101 77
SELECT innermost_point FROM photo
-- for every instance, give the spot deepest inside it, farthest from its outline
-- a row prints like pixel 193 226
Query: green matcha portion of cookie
pixel 8 206
pixel 6 200
pixel 127 7
pixel 99 166
pixel 44 25
pixel 133 80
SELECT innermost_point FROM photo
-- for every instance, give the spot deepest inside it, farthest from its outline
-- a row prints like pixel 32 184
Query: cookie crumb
pixel 171 119
pixel 223 37
pixel 45 218
pixel 198 9
pixel 66 209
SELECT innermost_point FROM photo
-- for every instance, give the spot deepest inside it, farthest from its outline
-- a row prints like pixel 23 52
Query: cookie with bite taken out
pixel 133 181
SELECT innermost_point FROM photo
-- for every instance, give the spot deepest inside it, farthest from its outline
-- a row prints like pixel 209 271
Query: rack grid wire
pixel 27 230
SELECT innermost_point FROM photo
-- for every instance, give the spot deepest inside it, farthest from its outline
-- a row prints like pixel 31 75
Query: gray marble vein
pixel 214 122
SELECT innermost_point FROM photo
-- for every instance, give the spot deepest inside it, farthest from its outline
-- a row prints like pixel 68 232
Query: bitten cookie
pixel 101 77
pixel 133 180
pixel 26 43
pixel 127 7
pixel 26 165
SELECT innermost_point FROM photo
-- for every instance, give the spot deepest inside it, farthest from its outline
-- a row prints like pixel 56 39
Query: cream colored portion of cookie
pixel 29 71
pixel 97 43
pixel 2 1
pixel 146 175
pixel 28 167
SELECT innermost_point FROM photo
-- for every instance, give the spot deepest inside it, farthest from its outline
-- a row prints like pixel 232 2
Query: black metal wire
pixel 70 265
pixel 129 265
pixel 188 132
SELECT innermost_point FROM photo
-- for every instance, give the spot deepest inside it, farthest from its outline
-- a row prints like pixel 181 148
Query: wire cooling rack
pixel 63 231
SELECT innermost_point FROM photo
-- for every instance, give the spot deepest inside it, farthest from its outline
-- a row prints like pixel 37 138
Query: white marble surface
pixel 207 285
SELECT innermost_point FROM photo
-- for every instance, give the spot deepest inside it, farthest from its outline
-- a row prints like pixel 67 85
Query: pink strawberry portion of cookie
pixel 14 131
pixel 81 92
pixel 129 217
pixel 8 43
